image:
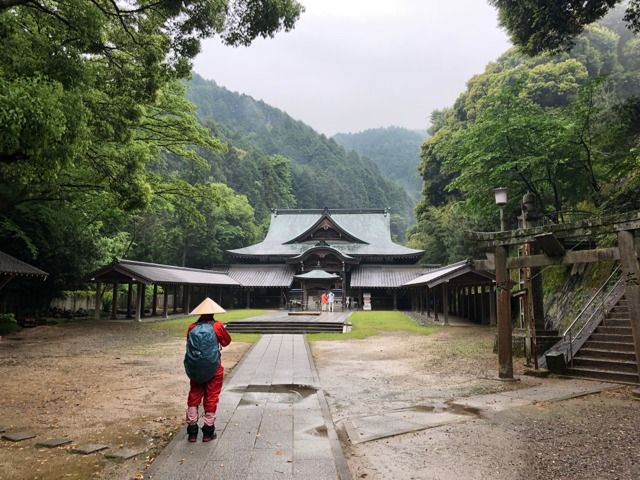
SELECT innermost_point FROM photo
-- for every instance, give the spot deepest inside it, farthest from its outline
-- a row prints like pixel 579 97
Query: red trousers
pixel 207 393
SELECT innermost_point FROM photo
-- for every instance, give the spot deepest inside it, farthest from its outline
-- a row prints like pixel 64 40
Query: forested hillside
pixel 101 155
pixel 323 173
pixel 395 150
pixel 564 126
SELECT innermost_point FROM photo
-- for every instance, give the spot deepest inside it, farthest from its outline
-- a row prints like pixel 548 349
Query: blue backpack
pixel 202 359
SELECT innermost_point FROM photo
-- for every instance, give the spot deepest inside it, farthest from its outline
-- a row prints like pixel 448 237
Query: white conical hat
pixel 207 306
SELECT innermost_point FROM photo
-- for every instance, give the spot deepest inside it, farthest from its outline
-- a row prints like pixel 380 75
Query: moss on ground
pixel 367 324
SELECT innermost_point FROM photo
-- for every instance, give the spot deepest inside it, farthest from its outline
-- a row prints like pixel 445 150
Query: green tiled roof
pixel 369 225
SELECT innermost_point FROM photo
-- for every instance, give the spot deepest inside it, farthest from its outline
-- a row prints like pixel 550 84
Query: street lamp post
pixel 503 298
pixel 501 201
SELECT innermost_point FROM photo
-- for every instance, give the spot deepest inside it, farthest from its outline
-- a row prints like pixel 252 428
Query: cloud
pixel 350 65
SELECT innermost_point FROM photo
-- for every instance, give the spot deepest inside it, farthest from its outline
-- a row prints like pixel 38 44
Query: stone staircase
pixel 290 327
pixel 608 353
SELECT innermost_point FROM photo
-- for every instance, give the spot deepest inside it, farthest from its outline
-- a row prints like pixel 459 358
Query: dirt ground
pixel 121 384
pixel 114 383
pixel 593 437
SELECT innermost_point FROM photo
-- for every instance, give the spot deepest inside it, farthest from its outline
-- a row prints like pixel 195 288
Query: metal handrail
pixel 568 330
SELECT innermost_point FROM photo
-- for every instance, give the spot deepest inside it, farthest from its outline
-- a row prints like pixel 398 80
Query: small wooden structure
pixel 11 267
pixel 550 241
pixel 142 274
pixel 316 279
pixel 456 289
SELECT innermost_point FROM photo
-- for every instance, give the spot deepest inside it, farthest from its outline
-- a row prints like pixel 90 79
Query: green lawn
pixel 367 324
pixel 178 326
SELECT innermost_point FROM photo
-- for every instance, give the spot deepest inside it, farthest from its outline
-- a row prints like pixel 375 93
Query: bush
pixel 8 323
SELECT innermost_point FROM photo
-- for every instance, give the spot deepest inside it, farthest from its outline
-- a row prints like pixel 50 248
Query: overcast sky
pixel 350 65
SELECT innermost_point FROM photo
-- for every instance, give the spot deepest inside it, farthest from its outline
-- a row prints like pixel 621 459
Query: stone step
pixel 614 346
pixel 285 327
pixel 620 309
pixel 612 365
pixel 616 322
pixel 595 373
pixel 604 353
pixel 617 316
pixel 606 337
pixel 614 330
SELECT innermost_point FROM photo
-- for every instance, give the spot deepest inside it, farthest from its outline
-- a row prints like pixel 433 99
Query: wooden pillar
pixel 248 299
pixel 395 299
pixel 305 297
pixel 482 316
pixel 428 301
pixel 345 293
pixel 143 287
pixel 139 301
pixel 631 273
pixel 154 304
pixel 187 302
pixel 435 306
pixel 165 300
pixel 175 299
pixel 467 303
pixel 114 302
pixel 98 301
pixel 445 302
pixel 492 306
pixel 129 299
pixel 503 302
pixel 473 308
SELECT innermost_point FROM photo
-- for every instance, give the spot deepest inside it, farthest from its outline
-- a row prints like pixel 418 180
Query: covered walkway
pixel 181 287
pixel 11 267
pixel 455 290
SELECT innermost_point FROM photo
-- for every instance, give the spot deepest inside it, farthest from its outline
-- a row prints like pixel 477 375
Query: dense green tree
pixel 395 150
pixel 564 127
pixel 551 25
pixel 92 114
pixel 322 172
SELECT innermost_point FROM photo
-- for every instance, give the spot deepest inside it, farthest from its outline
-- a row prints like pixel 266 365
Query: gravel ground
pixel 592 437
pixel 114 383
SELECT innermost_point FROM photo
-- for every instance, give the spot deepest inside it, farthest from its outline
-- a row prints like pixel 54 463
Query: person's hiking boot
pixel 192 432
pixel 208 433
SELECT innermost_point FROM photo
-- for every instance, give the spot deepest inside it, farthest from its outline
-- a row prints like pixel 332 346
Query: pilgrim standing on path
pixel 331 298
pixel 203 365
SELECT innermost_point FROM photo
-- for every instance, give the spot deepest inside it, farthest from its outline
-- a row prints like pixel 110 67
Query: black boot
pixel 208 433
pixel 192 431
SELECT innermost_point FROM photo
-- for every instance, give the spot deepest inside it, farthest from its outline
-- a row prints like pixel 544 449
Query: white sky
pixel 350 65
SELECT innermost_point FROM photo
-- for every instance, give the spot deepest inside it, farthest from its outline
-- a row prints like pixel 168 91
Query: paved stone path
pixel 273 423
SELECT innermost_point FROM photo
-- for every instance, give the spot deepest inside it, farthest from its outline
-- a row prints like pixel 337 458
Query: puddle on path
pixel 443 407
pixel 281 393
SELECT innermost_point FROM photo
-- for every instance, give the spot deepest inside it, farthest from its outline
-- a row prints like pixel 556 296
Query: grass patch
pixel 177 327
pixel 8 324
pixel 368 324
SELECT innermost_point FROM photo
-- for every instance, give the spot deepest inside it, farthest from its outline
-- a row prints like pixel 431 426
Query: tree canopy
pixel 551 25
pixel 564 127
pixel 98 140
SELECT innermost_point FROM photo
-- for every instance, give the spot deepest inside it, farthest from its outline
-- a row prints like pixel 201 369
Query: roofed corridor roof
pixel 144 272
pixel 12 266
pixel 386 276
pixel 262 275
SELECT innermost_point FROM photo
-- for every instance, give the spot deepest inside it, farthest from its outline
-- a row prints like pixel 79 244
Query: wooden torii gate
pixel 548 239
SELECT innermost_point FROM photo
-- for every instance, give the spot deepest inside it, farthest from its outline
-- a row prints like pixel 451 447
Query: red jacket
pixel 224 338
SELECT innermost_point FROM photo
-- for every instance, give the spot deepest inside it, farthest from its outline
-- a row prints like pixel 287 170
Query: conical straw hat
pixel 207 306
